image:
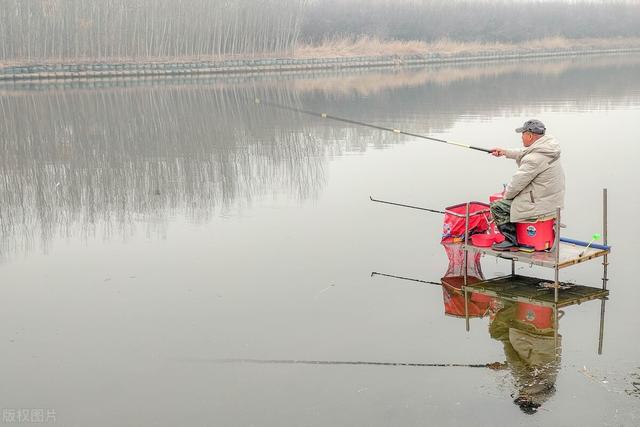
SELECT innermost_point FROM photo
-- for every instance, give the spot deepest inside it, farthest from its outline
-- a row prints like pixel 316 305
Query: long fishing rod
pixel 575 242
pixel 347 362
pixel 369 125
pixel 406 206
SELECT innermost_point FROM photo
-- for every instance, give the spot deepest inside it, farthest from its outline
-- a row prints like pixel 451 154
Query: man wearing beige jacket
pixel 536 189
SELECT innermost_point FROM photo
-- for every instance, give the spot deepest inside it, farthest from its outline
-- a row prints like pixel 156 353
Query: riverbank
pixel 366 46
pixel 335 54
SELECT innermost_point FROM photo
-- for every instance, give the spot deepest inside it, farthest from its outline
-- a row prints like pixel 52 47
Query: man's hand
pixel 498 152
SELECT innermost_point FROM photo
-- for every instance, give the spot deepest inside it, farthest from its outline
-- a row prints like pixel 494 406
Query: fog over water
pixel 150 228
pixel 107 31
pixel 100 159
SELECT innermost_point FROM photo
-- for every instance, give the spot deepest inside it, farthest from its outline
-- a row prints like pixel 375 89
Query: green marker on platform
pixel 596 236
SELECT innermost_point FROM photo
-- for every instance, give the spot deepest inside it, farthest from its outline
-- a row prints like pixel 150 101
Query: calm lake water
pixel 152 228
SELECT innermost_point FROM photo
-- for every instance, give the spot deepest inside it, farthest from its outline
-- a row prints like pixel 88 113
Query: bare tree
pixel 144 30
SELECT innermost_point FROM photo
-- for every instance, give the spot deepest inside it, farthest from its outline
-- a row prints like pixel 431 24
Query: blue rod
pixel 585 244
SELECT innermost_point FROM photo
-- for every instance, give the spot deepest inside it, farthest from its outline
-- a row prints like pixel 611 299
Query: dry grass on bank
pixel 367 46
pixel 371 46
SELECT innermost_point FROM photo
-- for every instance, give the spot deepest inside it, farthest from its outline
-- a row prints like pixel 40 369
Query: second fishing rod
pixel 369 125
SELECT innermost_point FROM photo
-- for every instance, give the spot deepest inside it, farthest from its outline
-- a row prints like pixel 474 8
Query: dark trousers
pixel 501 212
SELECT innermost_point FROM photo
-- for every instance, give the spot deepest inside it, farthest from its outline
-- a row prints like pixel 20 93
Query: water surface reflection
pixel 528 330
pixel 99 158
pixel 231 230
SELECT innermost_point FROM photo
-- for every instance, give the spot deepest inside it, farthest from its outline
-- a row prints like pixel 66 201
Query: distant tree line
pixel 36 30
pixel 467 20
pixel 143 30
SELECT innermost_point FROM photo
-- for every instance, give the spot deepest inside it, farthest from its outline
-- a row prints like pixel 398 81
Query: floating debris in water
pixel 634 390
pixel 551 285
pixel 325 290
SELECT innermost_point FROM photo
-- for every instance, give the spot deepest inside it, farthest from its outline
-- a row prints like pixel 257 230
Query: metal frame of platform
pixel 570 254
pixel 561 256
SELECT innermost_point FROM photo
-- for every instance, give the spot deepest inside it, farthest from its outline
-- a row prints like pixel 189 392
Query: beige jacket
pixel 537 188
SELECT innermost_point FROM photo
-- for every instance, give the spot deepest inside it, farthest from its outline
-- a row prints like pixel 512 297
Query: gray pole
pixel 557 264
pixel 601 336
pixel 466 310
pixel 556 326
pixel 466 260
pixel 605 259
pixel 466 243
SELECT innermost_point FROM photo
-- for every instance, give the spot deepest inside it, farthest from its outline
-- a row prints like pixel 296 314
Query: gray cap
pixel 534 126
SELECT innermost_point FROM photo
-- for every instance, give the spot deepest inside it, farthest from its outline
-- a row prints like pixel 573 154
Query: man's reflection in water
pixel 531 345
pixel 531 349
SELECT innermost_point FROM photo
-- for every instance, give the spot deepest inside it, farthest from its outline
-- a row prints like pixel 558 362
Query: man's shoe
pixel 508 230
pixel 504 246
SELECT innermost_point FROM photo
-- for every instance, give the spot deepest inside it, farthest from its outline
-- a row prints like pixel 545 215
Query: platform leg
pixel 466 265
pixel 513 267
pixel 605 259
pixel 601 336
pixel 557 263
pixel 466 310
pixel 556 325
pixel 466 242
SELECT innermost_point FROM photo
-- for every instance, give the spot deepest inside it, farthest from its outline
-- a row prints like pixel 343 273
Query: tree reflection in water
pixel 101 157
pixel 102 160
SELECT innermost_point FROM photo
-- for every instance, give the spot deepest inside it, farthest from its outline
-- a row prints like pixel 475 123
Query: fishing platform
pixel 570 254
pixel 555 294
pixel 563 253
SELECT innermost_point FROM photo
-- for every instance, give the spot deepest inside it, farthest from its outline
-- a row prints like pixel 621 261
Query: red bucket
pixel 496 196
pixel 537 315
pixel 540 235
pixel 483 240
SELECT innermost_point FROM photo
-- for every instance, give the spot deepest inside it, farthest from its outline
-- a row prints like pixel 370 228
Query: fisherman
pixel 537 188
